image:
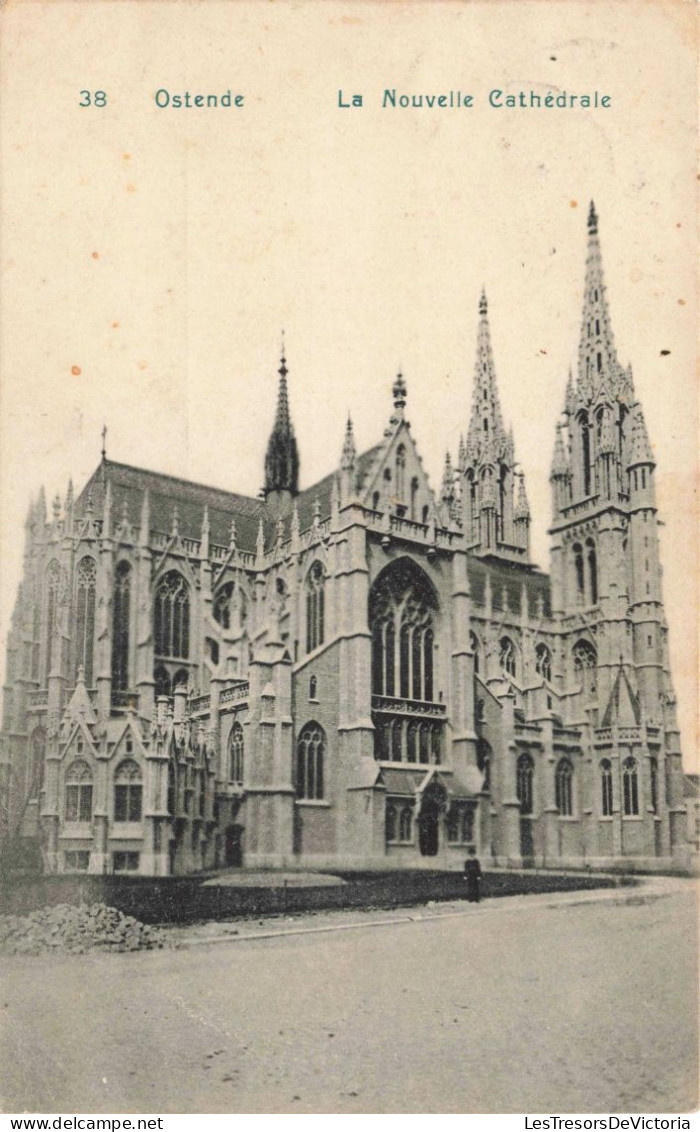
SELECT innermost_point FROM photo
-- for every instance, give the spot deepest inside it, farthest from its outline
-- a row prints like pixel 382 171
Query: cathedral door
pixel 234 846
pixel 428 828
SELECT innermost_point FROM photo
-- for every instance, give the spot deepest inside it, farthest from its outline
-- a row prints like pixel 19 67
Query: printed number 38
pixel 93 98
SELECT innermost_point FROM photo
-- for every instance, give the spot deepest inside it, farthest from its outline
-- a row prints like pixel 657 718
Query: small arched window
pixel 128 791
pixel 563 788
pixel 315 606
pixel 606 788
pixel 313 687
pixel 507 656
pixel 474 646
pixel 121 615
pixel 630 788
pixel 236 754
pixel 311 746
pixel 172 616
pixel 86 576
pixel 483 761
pixel 543 661
pixel 592 571
pixel 222 607
pixel 524 783
pixel 78 792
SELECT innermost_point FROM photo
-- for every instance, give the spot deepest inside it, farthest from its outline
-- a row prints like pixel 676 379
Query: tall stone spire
pixel 486 434
pixel 282 457
pixel 598 365
pixel 487 462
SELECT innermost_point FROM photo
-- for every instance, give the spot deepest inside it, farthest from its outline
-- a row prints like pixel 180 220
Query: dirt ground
pixel 579 1002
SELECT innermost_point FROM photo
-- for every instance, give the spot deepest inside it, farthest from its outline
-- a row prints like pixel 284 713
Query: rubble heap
pixel 66 927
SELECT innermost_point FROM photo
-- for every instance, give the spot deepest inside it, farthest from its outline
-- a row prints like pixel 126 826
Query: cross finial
pixel 282 371
pixel 104 441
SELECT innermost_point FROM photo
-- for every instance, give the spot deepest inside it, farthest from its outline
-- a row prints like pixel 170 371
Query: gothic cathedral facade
pixel 363 673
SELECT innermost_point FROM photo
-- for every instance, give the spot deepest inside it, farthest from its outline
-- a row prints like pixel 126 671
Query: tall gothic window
pixel 222 605
pixel 578 567
pixel 606 788
pixel 53 584
pixel 400 472
pixel 121 615
pixel 315 607
pixel 586 462
pixel 563 788
pixel 585 661
pixel 543 661
pixel 78 792
pixel 35 763
pixel 85 617
pixel 524 782
pixel 128 791
pixel 402 609
pixel 483 761
pixel 235 754
pixel 311 746
pixel 172 616
pixel 507 656
pixel 630 788
pixel 592 571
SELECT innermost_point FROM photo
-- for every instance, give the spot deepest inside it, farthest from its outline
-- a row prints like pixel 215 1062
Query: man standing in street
pixel 472 875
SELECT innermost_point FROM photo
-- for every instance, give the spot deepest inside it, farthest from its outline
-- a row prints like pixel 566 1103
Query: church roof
pixel 128 485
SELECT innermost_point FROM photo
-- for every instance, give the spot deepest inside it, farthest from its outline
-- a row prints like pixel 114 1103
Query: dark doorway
pixel 428 828
pixel 234 846
pixel 527 851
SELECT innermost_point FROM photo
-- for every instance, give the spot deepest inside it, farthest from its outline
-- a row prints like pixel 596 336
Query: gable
pixel 398 481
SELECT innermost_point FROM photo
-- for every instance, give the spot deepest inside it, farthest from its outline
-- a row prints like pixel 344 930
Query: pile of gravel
pixel 66 927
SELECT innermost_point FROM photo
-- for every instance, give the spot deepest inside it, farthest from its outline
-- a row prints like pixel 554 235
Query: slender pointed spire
pixel 282 458
pixel 349 454
pixel 447 494
pixel 175 529
pixel 486 430
pixel 260 544
pixel 597 356
pixel 232 537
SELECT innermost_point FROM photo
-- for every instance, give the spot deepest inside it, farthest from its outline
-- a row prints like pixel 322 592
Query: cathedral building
pixel 362 673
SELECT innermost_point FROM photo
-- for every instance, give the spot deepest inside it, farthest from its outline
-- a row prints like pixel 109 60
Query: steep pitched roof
pixel 623 706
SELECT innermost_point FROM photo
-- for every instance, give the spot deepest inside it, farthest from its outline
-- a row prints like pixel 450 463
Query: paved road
pixel 522 1004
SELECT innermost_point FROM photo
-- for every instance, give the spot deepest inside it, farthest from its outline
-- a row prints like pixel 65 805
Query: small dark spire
pixel 483 305
pixel 592 220
pixel 282 458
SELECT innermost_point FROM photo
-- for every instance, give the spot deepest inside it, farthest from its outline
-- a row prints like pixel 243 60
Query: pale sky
pixel 160 252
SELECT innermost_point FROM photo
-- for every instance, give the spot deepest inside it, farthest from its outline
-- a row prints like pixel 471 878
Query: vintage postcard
pixel 348 614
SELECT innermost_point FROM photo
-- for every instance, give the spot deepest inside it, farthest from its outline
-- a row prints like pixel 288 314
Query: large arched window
pixel 121 615
pixel 35 762
pixel 128 791
pixel 507 656
pixel 78 792
pixel 315 606
pixel 53 584
pixel 543 661
pixel 86 576
pixel 563 788
pixel 402 611
pixel 630 788
pixel 172 616
pixel 524 782
pixel 311 746
pixel 592 571
pixel 235 754
pixel 606 788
